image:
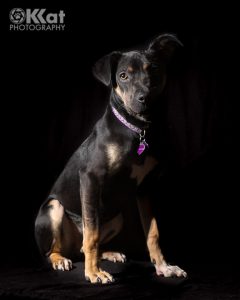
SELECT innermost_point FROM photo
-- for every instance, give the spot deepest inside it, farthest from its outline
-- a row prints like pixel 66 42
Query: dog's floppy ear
pixel 105 68
pixel 164 45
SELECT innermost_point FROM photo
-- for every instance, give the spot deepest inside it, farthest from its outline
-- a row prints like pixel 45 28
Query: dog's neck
pixel 134 120
pixel 136 133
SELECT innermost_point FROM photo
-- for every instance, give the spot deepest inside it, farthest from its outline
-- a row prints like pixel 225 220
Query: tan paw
pixel 99 276
pixel 169 271
pixel 61 263
pixel 114 257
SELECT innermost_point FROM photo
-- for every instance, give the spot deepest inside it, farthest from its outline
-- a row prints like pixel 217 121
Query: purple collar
pixel 142 143
pixel 125 122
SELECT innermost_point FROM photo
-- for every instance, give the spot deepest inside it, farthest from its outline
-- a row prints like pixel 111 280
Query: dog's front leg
pixel 152 238
pixel 90 196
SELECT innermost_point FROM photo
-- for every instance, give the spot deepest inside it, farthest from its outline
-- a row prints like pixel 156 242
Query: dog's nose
pixel 141 99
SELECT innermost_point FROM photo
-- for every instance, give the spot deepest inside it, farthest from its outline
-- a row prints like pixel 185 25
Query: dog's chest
pixel 140 171
pixel 119 155
pixel 115 156
pixel 120 186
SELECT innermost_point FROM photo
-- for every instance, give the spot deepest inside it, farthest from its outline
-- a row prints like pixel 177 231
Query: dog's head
pixel 137 77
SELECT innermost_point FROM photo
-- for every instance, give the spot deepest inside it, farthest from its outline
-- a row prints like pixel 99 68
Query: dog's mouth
pixel 145 116
pixel 141 114
pixel 137 109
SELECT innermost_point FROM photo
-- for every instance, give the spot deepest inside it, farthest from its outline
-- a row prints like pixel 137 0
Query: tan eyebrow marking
pixel 145 66
pixel 130 69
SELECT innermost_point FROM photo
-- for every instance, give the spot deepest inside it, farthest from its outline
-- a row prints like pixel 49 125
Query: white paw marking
pixel 114 257
pixel 170 271
pixel 63 264
pixel 99 276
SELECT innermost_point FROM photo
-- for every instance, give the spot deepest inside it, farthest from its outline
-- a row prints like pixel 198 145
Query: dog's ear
pixel 105 68
pixel 164 46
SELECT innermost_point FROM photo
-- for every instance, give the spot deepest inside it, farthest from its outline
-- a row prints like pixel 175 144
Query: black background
pixel 52 102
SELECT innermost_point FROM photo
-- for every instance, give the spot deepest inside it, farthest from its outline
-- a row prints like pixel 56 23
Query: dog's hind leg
pixel 49 234
pixel 108 231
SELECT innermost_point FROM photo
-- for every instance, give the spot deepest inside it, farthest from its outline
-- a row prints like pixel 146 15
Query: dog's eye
pixel 123 76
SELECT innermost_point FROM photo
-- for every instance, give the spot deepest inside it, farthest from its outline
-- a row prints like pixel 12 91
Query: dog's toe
pixel 124 258
pixel 99 276
pixel 62 264
pixel 169 271
pixel 114 257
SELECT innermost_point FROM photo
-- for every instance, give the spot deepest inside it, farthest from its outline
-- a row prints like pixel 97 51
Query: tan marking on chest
pixel 113 155
pixel 140 171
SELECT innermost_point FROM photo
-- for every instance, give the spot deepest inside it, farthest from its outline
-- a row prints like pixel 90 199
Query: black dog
pixel 83 209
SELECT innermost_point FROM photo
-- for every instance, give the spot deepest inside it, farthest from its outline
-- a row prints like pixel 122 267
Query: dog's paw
pixel 62 264
pixel 114 257
pixel 99 276
pixel 169 271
